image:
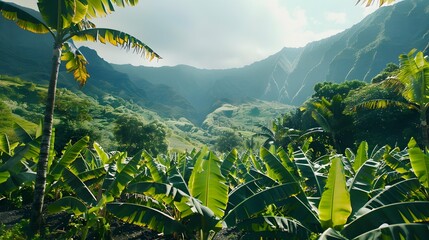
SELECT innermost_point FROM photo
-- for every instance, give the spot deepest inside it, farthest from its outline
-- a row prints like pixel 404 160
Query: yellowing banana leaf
pixel 23 19
pixel 100 8
pixel 75 62
pixel 62 14
pixel 335 206
pixel 116 38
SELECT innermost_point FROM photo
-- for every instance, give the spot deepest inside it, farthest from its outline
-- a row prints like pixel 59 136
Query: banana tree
pixel 67 21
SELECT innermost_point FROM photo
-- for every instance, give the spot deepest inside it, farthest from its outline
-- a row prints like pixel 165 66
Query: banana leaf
pixel 273 227
pixel 125 176
pixel 145 217
pixel 275 169
pixel 208 184
pixel 69 204
pixel 260 201
pixel 335 205
pixel 419 162
pixel 4 144
pixel 308 172
pixel 397 213
pixel 398 231
pixel 398 192
pixel 361 155
pixel 70 155
pixel 362 184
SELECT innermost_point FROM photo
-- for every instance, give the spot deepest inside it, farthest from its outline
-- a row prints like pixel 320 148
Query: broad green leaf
pixel 69 204
pixel 361 155
pixel 286 161
pixel 4 176
pixel 419 162
pixel 146 217
pixel 260 201
pixel 177 180
pixel 76 184
pixel 22 134
pixel 335 206
pixel 28 152
pixel 248 189
pixel 308 172
pixel 398 231
pixel 275 168
pixel 70 155
pixel 397 213
pixel 228 163
pixel 157 170
pixel 158 191
pixel 396 193
pixel 331 234
pixel 23 19
pixel 208 184
pixel 125 176
pixel 101 153
pixel 362 184
pixel 92 176
pixel 272 227
pixel 4 144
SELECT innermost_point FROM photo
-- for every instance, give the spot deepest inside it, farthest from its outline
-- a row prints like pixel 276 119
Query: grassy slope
pixel 182 134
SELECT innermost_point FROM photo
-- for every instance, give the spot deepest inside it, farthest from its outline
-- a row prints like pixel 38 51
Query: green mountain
pixel 287 76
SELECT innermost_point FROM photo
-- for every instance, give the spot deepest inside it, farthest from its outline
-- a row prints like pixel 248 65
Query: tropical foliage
pixel 67 21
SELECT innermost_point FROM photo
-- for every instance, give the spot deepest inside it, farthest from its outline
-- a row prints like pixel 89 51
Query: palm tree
pixel 412 82
pixel 67 21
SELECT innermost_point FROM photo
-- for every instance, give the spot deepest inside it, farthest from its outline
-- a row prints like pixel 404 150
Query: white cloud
pixel 336 17
pixel 223 33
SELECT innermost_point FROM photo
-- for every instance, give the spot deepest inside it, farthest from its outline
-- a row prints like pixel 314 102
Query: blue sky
pixel 224 33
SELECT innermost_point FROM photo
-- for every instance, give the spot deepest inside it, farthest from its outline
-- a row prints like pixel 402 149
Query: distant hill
pixel 287 76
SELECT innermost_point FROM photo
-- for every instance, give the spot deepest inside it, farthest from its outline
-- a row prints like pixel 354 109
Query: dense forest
pixel 351 162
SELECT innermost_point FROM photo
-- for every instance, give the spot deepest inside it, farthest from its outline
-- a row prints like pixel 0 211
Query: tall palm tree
pixel 412 82
pixel 67 21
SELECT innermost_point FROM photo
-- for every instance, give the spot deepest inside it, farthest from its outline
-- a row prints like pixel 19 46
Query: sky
pixel 218 34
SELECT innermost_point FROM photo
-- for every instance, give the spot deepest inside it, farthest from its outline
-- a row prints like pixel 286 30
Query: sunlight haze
pixel 223 33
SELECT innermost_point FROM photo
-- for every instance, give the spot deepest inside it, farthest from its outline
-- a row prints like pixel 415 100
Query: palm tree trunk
pixel 36 220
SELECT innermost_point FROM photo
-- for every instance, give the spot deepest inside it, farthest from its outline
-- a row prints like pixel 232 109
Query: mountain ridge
pixel 287 76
